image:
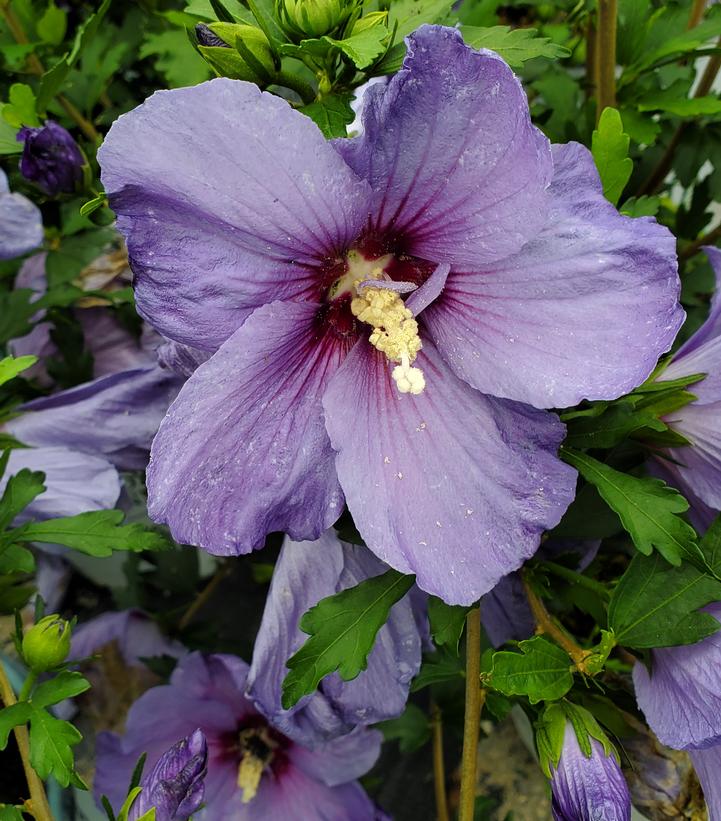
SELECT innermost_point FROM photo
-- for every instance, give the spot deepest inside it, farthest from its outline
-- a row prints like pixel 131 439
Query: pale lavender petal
pixel 295 795
pixel 115 416
pixel 505 612
pixel 21 223
pixel 340 760
pixel 75 482
pixel 255 456
pixel 700 514
pixel 710 330
pixel 136 635
pixel 588 788
pixel 182 359
pixel 52 578
pixel 698 465
pixel 113 347
pixel 707 764
pixel 681 694
pixel 582 311
pixel 451 485
pixel 228 199
pixel 459 173
pixel 430 290
pixel 305 573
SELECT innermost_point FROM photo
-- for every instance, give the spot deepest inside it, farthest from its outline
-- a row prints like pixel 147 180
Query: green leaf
pixel 617 423
pixel 648 508
pixel 51 26
pixel 97 533
pixel 655 605
pixel 674 101
pixel 66 684
pixel 66 261
pixel 644 206
pixel 52 81
pixel 542 671
pixel 174 59
pixel 342 630
pixel 447 622
pixel 363 48
pixel 439 668
pixel 516 46
pixel 16 310
pixel 20 490
pixel 21 108
pixel 679 44
pixel 8 813
pixel 51 743
pixel 16 559
pixel 8 135
pixel 332 114
pixel 609 146
pixel 93 205
pixel 11 717
pixel 411 730
pixel 407 15
pixel 10 367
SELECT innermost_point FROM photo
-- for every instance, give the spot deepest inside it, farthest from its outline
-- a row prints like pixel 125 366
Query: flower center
pixel 257 749
pixel 395 330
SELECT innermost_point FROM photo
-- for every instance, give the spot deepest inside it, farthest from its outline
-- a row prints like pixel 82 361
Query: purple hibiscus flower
pixel 287 257
pixel 51 158
pixel 254 771
pixel 707 764
pixel 588 788
pixel 175 786
pixel 21 223
pixel 681 694
pixel 305 573
pixel 696 469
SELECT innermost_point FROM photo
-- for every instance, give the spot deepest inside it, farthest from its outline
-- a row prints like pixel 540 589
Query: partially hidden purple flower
pixel 288 257
pixel 51 158
pixel 707 764
pixel 305 573
pixel 681 694
pixel 588 788
pixel 134 633
pixel 696 468
pixel 255 773
pixel 21 223
pixel 175 786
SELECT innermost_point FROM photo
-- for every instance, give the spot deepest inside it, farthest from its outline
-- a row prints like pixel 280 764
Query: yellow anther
pixel 395 333
pixel 250 772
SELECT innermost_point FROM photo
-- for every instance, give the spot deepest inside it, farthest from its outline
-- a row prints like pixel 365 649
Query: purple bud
pixel 175 784
pixel 207 37
pixel 51 158
pixel 588 788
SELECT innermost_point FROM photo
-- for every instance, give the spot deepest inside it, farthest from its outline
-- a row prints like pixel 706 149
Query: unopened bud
pixel 314 18
pixel 218 43
pixel 47 644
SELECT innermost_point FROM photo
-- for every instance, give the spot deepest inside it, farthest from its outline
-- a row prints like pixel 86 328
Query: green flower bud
pixel 47 644
pixel 218 43
pixel 314 18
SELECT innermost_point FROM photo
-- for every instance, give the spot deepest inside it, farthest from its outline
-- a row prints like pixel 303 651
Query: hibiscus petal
pixel 21 223
pixel 76 482
pixel 340 760
pixel 115 416
pixel 455 164
pixel 228 198
pixel 243 451
pixel 711 329
pixel 583 311
pixel 707 764
pixel 305 573
pixel 451 485
pixel 681 696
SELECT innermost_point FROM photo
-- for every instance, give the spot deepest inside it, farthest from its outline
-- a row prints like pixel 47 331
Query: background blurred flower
pixel 21 223
pixel 255 773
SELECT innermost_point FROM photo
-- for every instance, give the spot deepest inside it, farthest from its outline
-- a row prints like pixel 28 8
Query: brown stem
pixel 439 769
pixel 37 68
pixel 697 10
pixel 202 598
pixel 694 247
pixel 607 21
pixel 547 625
pixel 38 803
pixel 475 696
